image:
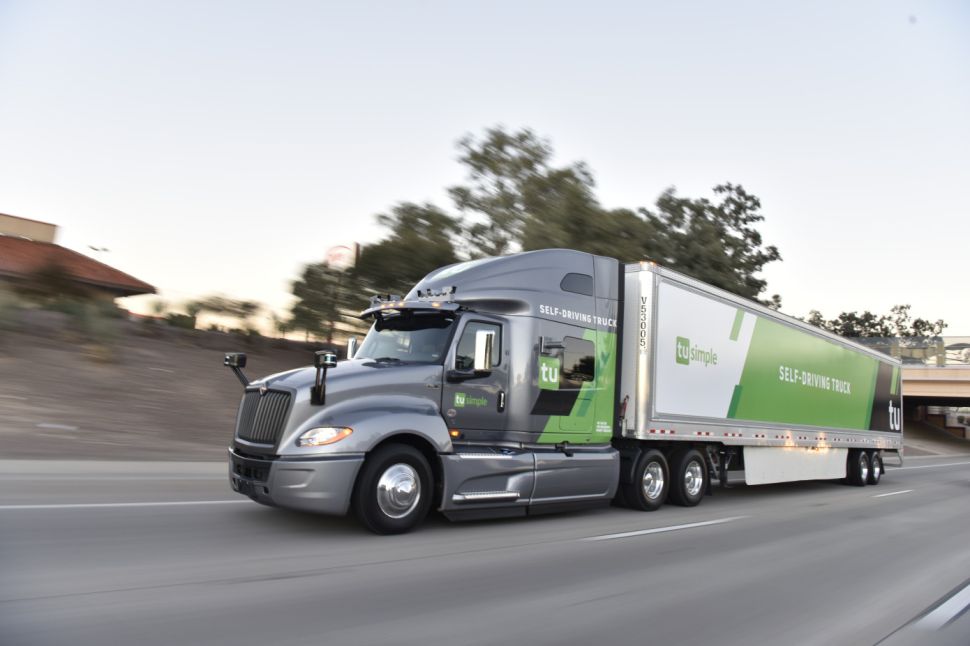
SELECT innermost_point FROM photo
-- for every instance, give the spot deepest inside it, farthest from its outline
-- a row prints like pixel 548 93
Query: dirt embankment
pixel 152 392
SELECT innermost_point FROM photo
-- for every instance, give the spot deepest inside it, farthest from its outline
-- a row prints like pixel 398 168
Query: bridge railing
pixel 935 351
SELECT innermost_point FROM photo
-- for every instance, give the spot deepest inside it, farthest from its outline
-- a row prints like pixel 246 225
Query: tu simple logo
pixel 683 351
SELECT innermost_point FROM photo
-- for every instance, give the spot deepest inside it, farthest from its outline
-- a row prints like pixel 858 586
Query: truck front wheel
pixel 688 475
pixel 394 489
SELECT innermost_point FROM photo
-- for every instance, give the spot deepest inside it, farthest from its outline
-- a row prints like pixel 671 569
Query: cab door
pixel 476 399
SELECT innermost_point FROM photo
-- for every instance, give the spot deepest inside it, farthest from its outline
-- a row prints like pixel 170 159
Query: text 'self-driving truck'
pixel 556 379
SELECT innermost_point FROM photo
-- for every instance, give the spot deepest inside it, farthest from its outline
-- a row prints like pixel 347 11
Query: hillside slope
pixel 165 395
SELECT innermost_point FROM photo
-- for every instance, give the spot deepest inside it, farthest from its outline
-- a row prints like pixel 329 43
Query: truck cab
pixel 488 390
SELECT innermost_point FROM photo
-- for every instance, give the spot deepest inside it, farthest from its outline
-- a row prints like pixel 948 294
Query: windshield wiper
pixel 388 360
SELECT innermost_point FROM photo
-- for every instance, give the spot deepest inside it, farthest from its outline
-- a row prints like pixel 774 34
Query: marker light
pixel 323 436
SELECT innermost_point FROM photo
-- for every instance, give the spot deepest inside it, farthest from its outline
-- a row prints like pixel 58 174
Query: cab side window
pixel 465 353
pixel 577 362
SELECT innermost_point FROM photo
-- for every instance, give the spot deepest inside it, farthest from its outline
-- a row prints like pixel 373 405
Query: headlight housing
pixel 323 436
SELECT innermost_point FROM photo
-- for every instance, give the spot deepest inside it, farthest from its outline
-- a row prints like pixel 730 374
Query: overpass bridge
pixel 935 376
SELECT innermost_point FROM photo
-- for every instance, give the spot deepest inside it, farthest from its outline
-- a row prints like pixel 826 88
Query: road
pixel 164 553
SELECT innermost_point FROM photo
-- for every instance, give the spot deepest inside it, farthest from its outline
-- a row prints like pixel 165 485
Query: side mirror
pixel 351 347
pixel 484 343
pixel 235 360
pixel 324 359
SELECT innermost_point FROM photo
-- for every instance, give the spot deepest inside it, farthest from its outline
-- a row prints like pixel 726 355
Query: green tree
pixel 515 197
pixel 281 324
pixel 50 283
pixel 899 323
pixel 241 310
pixel 420 240
pixel 715 242
pixel 323 297
pixel 505 169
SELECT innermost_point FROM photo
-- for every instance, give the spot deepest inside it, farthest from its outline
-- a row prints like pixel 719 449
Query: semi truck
pixel 554 380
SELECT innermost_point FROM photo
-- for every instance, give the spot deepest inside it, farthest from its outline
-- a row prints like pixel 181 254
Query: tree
pixel 240 310
pixel 516 197
pixel 281 324
pixel 505 169
pixel 51 282
pixel 715 242
pixel 324 297
pixel 899 323
pixel 420 241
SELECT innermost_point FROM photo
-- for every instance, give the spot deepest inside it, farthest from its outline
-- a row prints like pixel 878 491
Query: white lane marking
pixel 93 505
pixel 660 530
pixel 34 477
pixel 946 611
pixel 930 466
pixel 57 427
pixel 892 493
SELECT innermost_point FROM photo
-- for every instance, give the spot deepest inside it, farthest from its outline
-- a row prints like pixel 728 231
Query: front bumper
pixel 322 485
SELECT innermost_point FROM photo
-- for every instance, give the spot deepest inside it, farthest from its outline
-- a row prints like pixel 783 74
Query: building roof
pixel 19 258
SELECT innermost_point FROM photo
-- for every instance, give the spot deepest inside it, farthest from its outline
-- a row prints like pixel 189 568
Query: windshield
pixel 408 337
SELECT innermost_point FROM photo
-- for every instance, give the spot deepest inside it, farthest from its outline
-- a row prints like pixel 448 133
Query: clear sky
pixel 220 146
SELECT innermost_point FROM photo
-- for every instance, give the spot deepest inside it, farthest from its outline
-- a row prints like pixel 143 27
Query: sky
pixel 219 146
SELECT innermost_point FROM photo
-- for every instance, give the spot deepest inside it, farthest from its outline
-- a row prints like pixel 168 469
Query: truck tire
pixel 858 468
pixel 875 468
pixel 688 477
pixel 394 489
pixel 651 482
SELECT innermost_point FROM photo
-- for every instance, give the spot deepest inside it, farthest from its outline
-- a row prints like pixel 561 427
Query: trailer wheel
pixel 394 489
pixel 688 479
pixel 858 468
pixel 875 468
pixel 651 482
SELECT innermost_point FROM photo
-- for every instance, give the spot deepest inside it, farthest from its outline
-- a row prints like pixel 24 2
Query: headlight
pixel 323 436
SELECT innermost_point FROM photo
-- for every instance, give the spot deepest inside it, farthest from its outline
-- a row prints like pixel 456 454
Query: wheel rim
pixel 398 490
pixel 876 469
pixel 864 468
pixel 653 480
pixel 693 478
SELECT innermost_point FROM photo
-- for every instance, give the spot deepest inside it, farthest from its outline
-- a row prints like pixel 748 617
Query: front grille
pixel 262 417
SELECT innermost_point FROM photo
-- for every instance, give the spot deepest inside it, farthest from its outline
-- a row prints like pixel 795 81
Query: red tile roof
pixel 20 258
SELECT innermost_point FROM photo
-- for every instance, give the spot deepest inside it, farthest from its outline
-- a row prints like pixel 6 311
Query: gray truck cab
pixel 488 390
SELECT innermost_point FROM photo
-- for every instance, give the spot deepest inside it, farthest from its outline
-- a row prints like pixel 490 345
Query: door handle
pixel 501 401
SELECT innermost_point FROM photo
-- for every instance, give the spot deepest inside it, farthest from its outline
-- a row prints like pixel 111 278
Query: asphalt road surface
pixel 164 553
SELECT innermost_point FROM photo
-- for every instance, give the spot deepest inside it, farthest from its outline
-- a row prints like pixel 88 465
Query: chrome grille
pixel 262 417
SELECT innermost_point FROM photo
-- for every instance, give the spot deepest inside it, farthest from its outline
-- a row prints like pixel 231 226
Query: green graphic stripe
pixel 872 390
pixel 736 328
pixel 594 408
pixel 894 385
pixel 735 398
pixel 790 377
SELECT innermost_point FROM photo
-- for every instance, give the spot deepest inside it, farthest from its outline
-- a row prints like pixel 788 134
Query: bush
pixel 10 309
pixel 182 321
